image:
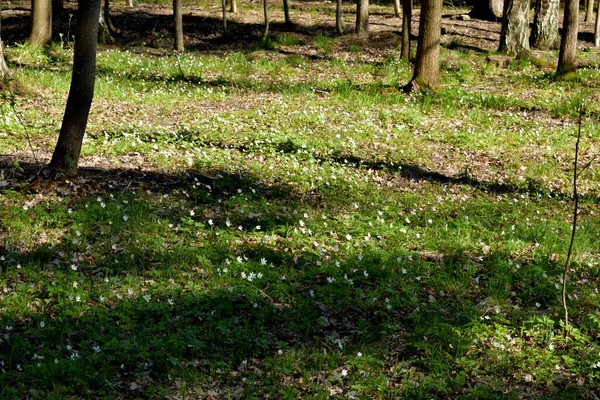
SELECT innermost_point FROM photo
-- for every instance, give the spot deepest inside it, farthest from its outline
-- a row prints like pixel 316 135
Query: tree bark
pixel 107 19
pixel 224 7
pixel 178 34
pixel 406 26
pixel 597 27
pixel 589 11
pixel 266 15
pixel 514 36
pixel 397 8
pixel 488 10
pixel 427 67
pixel 4 71
pixel 104 34
pixel 286 12
pixel 567 56
pixel 233 7
pixel 339 21
pixel 68 148
pixel 129 3
pixel 544 34
pixel 41 22
pixel 362 17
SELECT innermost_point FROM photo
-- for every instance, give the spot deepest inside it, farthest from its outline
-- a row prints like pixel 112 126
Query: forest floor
pixel 275 218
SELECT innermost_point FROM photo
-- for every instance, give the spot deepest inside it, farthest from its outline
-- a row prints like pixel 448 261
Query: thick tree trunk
pixel 362 17
pixel 224 7
pixel 489 10
pixel 397 8
pixel 427 67
pixel 266 15
pixel 514 36
pixel 589 11
pixel 406 26
pixel 178 33
pixel 68 148
pixel 568 44
pixel 544 34
pixel 286 12
pixel 41 22
pixel 597 27
pixel 339 21
pixel 233 7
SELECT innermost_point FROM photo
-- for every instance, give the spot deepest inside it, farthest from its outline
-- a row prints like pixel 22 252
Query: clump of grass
pixel 286 39
pixel 322 42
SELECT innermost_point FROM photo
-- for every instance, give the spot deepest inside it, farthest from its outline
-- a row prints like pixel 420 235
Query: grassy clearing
pixel 357 242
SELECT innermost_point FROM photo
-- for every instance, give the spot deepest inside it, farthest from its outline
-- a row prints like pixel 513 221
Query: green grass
pixel 358 242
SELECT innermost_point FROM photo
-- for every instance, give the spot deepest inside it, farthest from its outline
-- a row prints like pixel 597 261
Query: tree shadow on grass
pixel 162 294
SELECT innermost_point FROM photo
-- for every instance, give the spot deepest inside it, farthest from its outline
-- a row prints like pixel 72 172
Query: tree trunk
pixel 107 19
pixel 104 34
pixel 233 8
pixel 544 34
pixel 567 62
pixel 178 16
pixel 286 12
pixel 589 11
pixel 427 67
pixel 129 3
pixel 4 71
pixel 41 22
pixel 597 27
pixel 406 26
pixel 514 36
pixel 362 17
pixel 489 10
pixel 68 148
pixel 266 15
pixel 224 6
pixel 397 8
pixel 339 21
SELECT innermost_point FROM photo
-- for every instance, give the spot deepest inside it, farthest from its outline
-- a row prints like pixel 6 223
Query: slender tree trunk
pixel 406 26
pixel 41 22
pixel 397 8
pixel 362 17
pixel 514 36
pixel 597 27
pixel 224 6
pixel 339 18
pixel 129 3
pixel 427 67
pixel 286 12
pixel 233 7
pixel 266 15
pixel 107 19
pixel 68 148
pixel 544 34
pixel 568 44
pixel 178 16
pixel 589 11
pixel 104 33
pixel 4 71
